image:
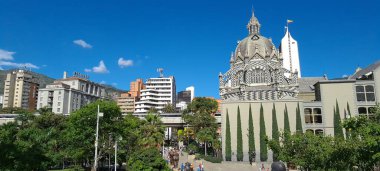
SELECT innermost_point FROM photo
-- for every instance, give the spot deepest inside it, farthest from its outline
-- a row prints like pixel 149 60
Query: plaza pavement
pixel 224 166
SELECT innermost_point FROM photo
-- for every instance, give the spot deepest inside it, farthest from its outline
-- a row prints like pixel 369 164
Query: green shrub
pixel 209 158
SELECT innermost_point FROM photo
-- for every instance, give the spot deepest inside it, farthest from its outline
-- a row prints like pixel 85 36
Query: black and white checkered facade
pixel 257 71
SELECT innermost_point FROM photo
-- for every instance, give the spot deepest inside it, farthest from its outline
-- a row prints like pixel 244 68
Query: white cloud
pixel 18 65
pixel 98 69
pixel 124 63
pixel 103 82
pixel 114 84
pixel 6 55
pixel 82 43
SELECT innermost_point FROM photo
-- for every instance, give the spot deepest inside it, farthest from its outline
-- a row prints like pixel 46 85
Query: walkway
pixel 225 166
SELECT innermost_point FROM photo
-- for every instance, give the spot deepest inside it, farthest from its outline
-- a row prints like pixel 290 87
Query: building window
pixel 365 93
pixel 59 92
pixel 59 97
pixel 59 103
pixel 362 111
pixel 308 116
pixel 58 109
pixel 319 132
pixel 368 112
pixel 313 115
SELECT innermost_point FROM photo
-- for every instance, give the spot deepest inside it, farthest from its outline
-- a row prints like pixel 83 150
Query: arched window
pixel 319 132
pixel 362 111
pixel 310 130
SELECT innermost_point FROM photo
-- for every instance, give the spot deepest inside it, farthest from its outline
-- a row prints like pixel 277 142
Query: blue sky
pixel 191 40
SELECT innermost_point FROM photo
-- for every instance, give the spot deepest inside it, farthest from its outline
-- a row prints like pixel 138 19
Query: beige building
pixel 20 90
pixel 126 102
pixel 70 94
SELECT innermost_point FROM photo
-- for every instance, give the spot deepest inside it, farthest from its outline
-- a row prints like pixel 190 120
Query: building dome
pixel 255 44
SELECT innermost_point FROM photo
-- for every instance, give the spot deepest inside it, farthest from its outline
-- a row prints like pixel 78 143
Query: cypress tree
pixel 286 120
pixel 263 145
pixel 251 134
pixel 338 130
pixel 298 120
pixel 275 134
pixel 239 138
pixel 348 109
pixel 349 114
pixel 228 139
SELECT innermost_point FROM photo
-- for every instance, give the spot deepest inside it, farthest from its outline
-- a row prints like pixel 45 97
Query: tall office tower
pixel 136 87
pixel 159 92
pixel 289 51
pixel 20 90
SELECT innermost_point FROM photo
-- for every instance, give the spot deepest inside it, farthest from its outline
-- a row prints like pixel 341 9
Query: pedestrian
pixel 182 167
pixel 176 159
pixel 191 167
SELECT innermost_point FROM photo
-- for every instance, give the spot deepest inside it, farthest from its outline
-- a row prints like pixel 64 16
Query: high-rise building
pixel 159 92
pixel 289 52
pixel 70 94
pixel 126 102
pixel 184 98
pixel 136 87
pixel 21 90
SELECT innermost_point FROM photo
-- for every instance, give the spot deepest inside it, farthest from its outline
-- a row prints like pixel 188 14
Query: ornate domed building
pixel 257 71
pixel 256 84
pixel 263 93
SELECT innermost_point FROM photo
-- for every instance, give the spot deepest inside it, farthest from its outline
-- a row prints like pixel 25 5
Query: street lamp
pixel 120 138
pixel 96 138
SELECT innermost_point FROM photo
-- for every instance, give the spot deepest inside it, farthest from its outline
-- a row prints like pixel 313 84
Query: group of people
pixel 172 157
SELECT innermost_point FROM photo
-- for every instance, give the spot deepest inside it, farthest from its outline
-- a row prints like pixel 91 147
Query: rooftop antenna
pixel 160 70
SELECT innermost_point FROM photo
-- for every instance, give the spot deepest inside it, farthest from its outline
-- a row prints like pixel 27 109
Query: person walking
pixel 182 167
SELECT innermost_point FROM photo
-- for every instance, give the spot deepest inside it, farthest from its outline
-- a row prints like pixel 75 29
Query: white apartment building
pixel 69 94
pixel 158 93
pixel 20 90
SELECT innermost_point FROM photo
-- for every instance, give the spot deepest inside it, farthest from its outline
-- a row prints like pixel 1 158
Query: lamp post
pixel 96 138
pixel 120 138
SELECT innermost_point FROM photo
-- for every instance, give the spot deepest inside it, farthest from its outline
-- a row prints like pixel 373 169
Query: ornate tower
pixel 256 70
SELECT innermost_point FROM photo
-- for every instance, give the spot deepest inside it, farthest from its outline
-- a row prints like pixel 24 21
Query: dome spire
pixel 253 24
